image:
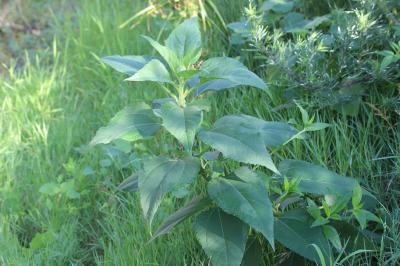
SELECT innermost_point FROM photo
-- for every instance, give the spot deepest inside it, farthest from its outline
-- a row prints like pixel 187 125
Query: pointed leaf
pixel 132 123
pixel 224 73
pixel 152 71
pixel 182 122
pixel 253 255
pixel 130 184
pixel 238 142
pixel 247 201
pixel 195 205
pixel 353 238
pixel 185 41
pixel 316 179
pixel 166 53
pixel 222 236
pixel 161 175
pixel 293 230
pixel 129 64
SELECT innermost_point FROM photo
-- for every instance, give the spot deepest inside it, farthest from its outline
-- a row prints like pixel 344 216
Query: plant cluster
pixel 335 56
pixel 250 203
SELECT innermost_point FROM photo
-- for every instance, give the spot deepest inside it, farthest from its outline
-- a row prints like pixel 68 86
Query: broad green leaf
pixel 295 23
pixel 185 41
pixel 130 184
pixel 273 133
pixel 195 205
pixel 162 175
pixel 316 179
pixel 166 53
pixel 357 196
pixel 253 255
pixel 354 238
pixel 238 142
pixel 224 72
pixel 152 71
pixel 222 236
pixel 248 201
pixel 42 240
pixel 50 189
pixel 129 64
pixel 279 6
pixel 333 236
pixel 182 122
pixel 132 123
pixel 293 230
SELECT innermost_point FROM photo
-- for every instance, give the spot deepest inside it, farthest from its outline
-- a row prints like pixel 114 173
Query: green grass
pixel 52 106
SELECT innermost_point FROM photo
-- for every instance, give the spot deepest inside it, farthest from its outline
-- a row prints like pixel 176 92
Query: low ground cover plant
pixel 242 200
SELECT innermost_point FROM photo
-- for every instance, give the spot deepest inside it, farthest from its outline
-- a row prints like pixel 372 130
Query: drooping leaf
pixel 166 53
pixel 333 236
pixel 185 41
pixel 162 175
pixel 354 238
pixel 132 123
pixel 152 71
pixel 248 201
pixel 294 23
pixel 195 205
pixel 293 230
pixel 238 142
pixel 182 122
pixel 273 133
pixel 129 64
pixel 316 179
pixel 50 189
pixel 253 255
pixel 130 184
pixel 279 6
pixel 224 73
pixel 222 236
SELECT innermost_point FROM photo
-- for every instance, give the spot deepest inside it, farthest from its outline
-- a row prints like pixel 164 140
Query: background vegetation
pixel 58 199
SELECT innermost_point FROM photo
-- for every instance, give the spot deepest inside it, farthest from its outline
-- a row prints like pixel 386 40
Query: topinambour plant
pixel 313 212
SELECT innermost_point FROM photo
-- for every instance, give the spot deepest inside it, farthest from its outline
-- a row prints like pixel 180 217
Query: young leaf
pixel 195 205
pixel 316 126
pixel 316 179
pixel 182 122
pixel 129 64
pixel 238 143
pixel 152 71
pixel 185 41
pixel 132 123
pixel 224 73
pixel 293 230
pixel 166 53
pixel 222 236
pixel 247 201
pixel 162 175
pixel 333 236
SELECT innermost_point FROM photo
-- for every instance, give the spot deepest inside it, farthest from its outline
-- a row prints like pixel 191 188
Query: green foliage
pixel 237 201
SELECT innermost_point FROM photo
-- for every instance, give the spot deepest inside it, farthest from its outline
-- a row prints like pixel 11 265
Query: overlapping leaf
pixel 185 41
pixel 317 179
pixel 182 122
pixel 248 201
pixel 129 64
pixel 222 236
pixel 132 123
pixel 243 138
pixel 152 71
pixel 161 175
pixel 293 230
pixel 224 72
